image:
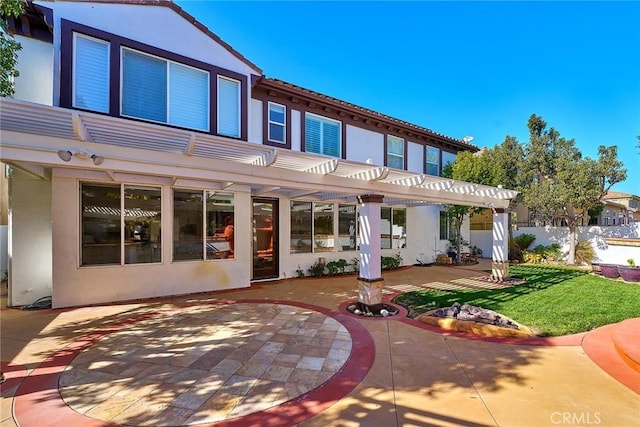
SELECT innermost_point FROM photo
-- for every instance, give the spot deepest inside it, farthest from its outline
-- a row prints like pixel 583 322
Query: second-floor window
pixel 164 91
pixel 432 166
pixel 91 74
pixel 322 136
pixel 277 123
pixel 395 152
pixel 108 74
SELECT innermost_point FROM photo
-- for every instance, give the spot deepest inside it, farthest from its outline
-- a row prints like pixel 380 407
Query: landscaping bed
pixel 554 300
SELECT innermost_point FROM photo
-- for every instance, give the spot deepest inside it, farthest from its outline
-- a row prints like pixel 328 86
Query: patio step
pixel 626 339
pixel 615 349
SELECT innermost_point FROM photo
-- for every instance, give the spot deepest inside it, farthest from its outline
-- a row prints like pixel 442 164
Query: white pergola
pixel 34 134
pixel 181 156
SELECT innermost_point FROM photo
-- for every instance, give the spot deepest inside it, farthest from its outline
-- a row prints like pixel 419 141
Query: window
pixel 196 211
pixel 301 227
pixel 395 152
pixel 322 136
pixel 323 235
pixel 163 91
pixel 393 226
pixel 228 107
pixel 448 158
pixel 104 240
pixel 347 227
pixel 432 166
pixel 277 123
pixel 447 227
pixel 91 74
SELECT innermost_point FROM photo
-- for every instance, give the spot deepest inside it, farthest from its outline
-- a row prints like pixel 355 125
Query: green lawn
pixel 554 300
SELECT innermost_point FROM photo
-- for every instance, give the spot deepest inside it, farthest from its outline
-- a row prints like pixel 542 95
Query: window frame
pixel 116 42
pixel 389 154
pixel 322 119
pixel 122 223
pixel 427 162
pixel 75 36
pixel 218 109
pixel 283 124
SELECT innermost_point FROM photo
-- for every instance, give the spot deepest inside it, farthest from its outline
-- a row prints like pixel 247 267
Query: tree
pixel 560 185
pixel 8 47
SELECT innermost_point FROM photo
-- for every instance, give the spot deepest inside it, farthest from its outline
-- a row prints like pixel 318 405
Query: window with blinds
pixel 322 136
pixel 228 107
pixel 164 91
pixel 395 152
pixel 91 73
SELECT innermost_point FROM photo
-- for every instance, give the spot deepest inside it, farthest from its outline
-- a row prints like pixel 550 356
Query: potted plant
pixel 629 273
pixel 609 270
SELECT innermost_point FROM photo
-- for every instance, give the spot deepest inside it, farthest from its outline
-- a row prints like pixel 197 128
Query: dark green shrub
pixel 338 266
pixel 391 262
pixel 524 241
pixel 317 269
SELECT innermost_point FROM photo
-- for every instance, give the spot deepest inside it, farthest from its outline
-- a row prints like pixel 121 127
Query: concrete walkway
pixel 287 353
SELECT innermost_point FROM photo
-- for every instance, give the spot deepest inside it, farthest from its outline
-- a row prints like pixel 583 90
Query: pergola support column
pixel 370 281
pixel 500 248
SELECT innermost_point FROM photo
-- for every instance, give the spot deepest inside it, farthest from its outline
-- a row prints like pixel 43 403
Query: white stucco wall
pixel 75 285
pixel 29 239
pixel 415 157
pixel 296 142
pixel 255 121
pixel 35 64
pixel 609 254
pixel 4 246
pixel 364 144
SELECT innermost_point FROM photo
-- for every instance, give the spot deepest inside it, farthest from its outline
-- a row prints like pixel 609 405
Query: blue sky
pixel 458 68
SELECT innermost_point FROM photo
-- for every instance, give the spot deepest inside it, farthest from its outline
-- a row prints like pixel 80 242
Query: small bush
pixel 300 272
pixel 355 264
pixel 391 262
pixel 543 254
pixel 524 241
pixel 337 266
pixel 584 253
pixel 317 269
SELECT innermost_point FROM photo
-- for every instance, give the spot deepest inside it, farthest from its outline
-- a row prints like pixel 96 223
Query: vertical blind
pixel 91 78
pixel 228 107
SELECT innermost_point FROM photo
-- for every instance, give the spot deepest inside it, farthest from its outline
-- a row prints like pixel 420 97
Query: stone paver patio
pixel 287 353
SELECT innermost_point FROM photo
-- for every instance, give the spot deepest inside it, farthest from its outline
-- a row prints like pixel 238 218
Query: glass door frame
pixel 265 250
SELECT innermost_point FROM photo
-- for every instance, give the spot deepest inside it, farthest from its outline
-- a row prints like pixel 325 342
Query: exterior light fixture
pixel 66 155
pixel 467 139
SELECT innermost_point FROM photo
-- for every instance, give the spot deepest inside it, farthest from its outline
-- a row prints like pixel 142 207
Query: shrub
pixel 391 262
pixel 355 264
pixel 335 267
pixel 524 241
pixel 300 272
pixel 585 253
pixel 543 254
pixel 317 269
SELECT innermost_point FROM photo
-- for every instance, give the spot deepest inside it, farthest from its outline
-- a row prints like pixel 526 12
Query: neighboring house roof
pixel 619 195
pixel 170 4
pixel 361 112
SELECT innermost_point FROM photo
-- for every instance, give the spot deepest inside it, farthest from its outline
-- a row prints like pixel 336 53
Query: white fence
pixel 606 251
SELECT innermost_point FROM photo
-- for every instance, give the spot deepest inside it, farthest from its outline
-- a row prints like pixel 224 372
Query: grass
pixel 554 300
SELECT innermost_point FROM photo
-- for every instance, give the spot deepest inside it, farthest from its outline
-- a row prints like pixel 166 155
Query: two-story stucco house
pixel 149 158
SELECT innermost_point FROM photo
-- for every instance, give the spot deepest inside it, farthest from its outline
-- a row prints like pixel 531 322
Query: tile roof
pixel 273 82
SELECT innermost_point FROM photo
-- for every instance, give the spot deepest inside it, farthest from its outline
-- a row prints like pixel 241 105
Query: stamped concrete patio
pixel 288 353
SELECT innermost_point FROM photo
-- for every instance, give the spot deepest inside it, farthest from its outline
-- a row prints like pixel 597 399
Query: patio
pixel 287 353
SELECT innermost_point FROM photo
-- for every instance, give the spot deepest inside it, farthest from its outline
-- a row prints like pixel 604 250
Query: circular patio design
pixel 227 363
